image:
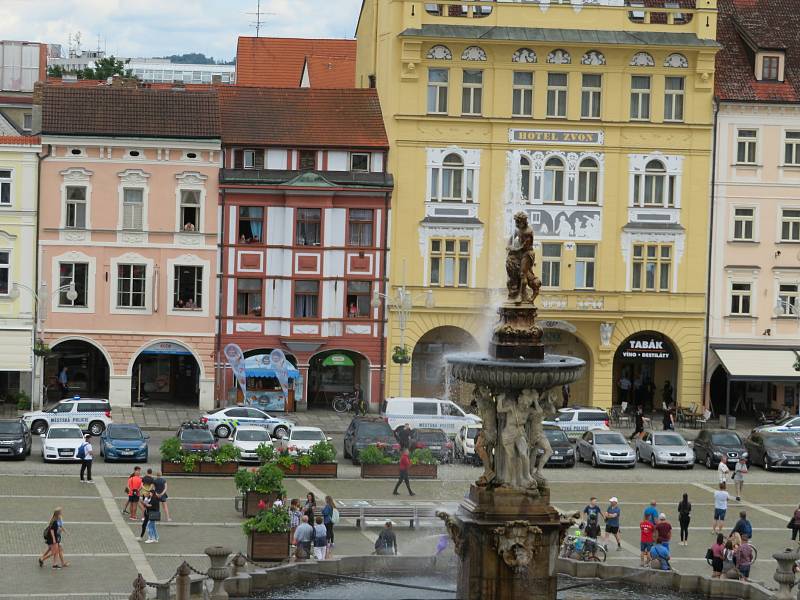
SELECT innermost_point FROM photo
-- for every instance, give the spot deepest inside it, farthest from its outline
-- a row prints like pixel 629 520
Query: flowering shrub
pixel 268 520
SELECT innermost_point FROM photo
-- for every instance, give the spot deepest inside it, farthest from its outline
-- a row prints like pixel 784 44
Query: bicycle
pixel 343 403
pixel 588 550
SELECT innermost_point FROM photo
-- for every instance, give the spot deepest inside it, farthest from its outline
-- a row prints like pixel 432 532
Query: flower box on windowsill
pixel 392 471
pixel 318 471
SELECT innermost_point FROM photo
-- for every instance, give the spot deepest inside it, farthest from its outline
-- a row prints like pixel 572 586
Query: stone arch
pixel 428 369
pixel 326 381
pixel 138 351
pixel 92 378
pixel 657 370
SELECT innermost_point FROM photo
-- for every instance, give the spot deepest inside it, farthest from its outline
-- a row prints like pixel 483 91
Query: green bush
pixel 271 520
pixel 373 455
pixel 423 456
pixel 225 454
pixel 191 461
pixel 265 453
pixel 171 450
pixel 23 401
pixel 267 479
pixel 323 452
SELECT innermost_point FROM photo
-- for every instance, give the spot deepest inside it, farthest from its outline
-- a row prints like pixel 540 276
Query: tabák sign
pixel 552 136
pixel 647 348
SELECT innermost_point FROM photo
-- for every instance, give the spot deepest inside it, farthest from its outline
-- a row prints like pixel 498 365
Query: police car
pixel 790 424
pixel 575 421
pixel 90 414
pixel 225 420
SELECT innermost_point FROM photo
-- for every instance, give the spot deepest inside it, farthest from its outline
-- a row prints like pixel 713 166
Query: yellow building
pixel 19 164
pixel 592 117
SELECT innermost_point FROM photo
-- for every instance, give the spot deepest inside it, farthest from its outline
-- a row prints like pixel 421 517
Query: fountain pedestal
pixel 516 335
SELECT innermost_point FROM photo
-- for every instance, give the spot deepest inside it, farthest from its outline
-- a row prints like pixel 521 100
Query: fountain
pixel 505 533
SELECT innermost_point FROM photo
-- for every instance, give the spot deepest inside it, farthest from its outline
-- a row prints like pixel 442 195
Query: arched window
pixel 451 182
pixel 655 176
pixel 525 178
pixel 587 181
pixel 554 180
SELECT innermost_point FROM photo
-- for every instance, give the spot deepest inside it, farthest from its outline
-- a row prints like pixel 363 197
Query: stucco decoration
pixel 606 333
pixel 593 58
pixel 475 53
pixel 191 178
pixel 676 61
pixel 134 177
pixel 642 59
pixel 559 57
pixel 76 174
pixel 524 55
pixel 440 52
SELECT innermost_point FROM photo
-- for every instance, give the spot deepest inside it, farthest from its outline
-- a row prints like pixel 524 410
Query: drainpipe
pixel 707 396
pixel 387 199
pixel 37 389
pixel 220 379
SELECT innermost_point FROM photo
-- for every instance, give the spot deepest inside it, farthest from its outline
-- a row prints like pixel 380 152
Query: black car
pixel 773 450
pixel 15 439
pixel 434 440
pixel 711 445
pixel 366 431
pixel 195 437
pixel 563 452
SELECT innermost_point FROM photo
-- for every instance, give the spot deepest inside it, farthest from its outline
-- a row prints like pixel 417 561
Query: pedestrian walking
pixel 666 393
pixel 152 515
pixel 794 523
pixel 309 507
pixel 565 394
pixel 744 558
pixel 684 517
pixel 739 471
pixel 85 455
pixel 303 536
pixel 646 531
pixel 160 485
pixel 651 512
pixel 592 509
pixel 723 470
pixel 664 530
pixel 404 436
pixel 52 537
pixel 63 382
pixel 320 539
pixel 405 462
pixel 387 541
pixel 743 528
pixel 716 554
pixel 134 490
pixel 721 498
pixel 638 420
pixel 612 522
pixel 330 516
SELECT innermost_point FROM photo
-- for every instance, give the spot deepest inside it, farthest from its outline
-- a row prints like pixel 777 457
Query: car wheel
pixel 708 461
pixel 594 460
pixel 222 431
pixel 580 456
pixel 280 432
pixel 39 427
pixel 638 456
pixel 344 450
pixel 653 462
pixel 96 428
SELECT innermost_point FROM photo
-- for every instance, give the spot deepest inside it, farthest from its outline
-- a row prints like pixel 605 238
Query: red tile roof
pixel 302 117
pixel 129 111
pixel 19 140
pixel 278 62
pixel 768 25
pixel 11 99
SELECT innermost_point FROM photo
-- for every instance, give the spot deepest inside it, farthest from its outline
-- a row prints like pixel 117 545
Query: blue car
pixel 124 442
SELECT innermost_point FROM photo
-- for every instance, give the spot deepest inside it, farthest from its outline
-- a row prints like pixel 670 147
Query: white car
pixel 300 439
pixel 247 439
pixel 426 413
pixel 576 421
pixel 465 442
pixel 90 414
pixel 224 421
pixel 61 442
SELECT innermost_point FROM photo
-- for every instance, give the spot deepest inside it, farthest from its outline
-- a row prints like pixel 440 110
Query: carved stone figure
pixel 539 450
pixel 486 441
pixel 516 544
pixel 522 283
pixel 516 470
pixel 455 532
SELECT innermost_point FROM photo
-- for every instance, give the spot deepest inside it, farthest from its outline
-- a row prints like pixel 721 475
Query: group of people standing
pixel 147 494
pixel 641 391
pixel 312 534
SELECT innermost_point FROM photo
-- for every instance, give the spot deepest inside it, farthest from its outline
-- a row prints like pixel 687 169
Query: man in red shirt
pixel 405 462
pixel 646 540
pixel 664 530
pixel 134 487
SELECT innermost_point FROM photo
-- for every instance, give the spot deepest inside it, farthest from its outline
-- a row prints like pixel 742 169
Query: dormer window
pixel 359 161
pixel 769 67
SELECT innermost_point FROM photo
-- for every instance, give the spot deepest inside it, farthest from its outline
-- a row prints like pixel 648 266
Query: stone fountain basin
pixel 516 374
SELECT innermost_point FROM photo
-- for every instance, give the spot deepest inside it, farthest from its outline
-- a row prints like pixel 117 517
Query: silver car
pixel 664 448
pixel 605 448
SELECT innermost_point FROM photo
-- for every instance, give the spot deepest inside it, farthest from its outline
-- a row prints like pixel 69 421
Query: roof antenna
pixel 258 14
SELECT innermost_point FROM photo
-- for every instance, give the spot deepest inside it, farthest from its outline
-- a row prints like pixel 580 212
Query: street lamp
pixel 72 295
pixel 402 302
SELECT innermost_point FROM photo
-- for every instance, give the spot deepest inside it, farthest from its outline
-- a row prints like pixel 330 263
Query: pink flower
pixel 262 505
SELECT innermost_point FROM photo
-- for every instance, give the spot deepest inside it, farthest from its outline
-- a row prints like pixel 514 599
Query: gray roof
pixel 306 178
pixel 559 36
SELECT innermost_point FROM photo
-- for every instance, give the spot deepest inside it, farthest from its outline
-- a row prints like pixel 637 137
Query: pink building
pixel 128 241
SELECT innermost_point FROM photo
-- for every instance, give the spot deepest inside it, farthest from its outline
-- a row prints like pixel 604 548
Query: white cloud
pixel 144 28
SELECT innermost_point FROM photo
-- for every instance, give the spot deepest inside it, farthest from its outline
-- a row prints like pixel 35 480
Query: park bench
pixel 412 513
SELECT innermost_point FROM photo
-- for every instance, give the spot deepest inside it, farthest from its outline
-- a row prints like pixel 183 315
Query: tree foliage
pixel 103 69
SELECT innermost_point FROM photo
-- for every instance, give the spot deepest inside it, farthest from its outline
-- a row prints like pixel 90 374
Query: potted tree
pixel 268 534
pixel 259 485
pixel 319 462
pixel 375 463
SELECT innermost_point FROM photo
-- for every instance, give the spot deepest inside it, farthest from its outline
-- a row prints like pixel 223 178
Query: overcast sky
pixel 143 28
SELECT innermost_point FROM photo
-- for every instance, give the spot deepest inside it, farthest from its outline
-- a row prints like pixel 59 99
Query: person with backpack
pixel 85 455
pixel 742 527
pixel 386 543
pixel 320 539
pixel 330 517
pixel 52 537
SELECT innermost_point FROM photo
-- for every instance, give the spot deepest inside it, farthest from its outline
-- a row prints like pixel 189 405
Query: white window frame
pixel 585 175
pixel 741 295
pixel 131 259
pixel 547 264
pixel 591 98
pixel 8 267
pixel 794 224
pixel 76 178
pixel 435 175
pixel 557 91
pixel 190 180
pixel 189 260
pixel 369 162
pixel 133 179
pixel 791 146
pixel 584 261
pixel 8 183
pixel 472 94
pixel 673 165
pixel 553 174
pixel 55 280
pixel 520 92
pixel 134 207
pixel 734 218
pixel 748 143
pixel 642 100
pixel 27 121
pixel 674 99
pixel 439 96
pixel 252 163
pixel 139 154
pixel 659 261
pixel 789 299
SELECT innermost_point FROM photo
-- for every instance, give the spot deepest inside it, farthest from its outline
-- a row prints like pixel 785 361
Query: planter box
pixel 268 546
pixel 393 471
pixel 203 468
pixel 319 471
pixel 251 500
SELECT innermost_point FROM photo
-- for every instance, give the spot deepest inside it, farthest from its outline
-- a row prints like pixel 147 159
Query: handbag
pixel 790 524
pixel 709 554
pixel 154 515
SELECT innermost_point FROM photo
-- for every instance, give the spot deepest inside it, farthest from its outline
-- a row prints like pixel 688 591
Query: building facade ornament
pixel 593 58
pixel 559 57
pixel 524 55
pixel 474 53
pixel 676 61
pixel 439 52
pixel 516 544
pixel 642 59
pixel 606 333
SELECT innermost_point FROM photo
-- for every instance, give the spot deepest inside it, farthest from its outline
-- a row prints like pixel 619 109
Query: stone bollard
pixel 139 589
pixel 182 582
pixel 219 570
pixel 784 574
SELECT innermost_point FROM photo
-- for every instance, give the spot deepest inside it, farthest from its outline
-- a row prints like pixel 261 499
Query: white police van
pixel 427 413
pixel 90 414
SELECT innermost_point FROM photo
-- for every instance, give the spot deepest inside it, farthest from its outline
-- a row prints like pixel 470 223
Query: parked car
pixel 90 414
pixel 300 439
pixel 563 452
pixel 15 439
pixel 790 424
pixel 434 440
pixel 124 442
pixel 711 445
pixel 575 421
pixel 247 438
pixel 465 443
pixel 605 448
pixel 61 442
pixel 224 421
pixel 195 437
pixel 366 431
pixel 664 448
pixel 427 413
pixel 773 450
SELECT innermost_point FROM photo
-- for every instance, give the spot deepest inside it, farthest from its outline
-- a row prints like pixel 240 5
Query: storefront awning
pixel 750 364
pixel 337 360
pixel 259 366
pixel 15 351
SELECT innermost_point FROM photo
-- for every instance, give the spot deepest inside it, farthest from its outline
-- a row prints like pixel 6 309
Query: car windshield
pixel 609 438
pixel 374 430
pixel 556 435
pixel 781 442
pixel 473 432
pixel 124 433
pixel 726 439
pixel 10 428
pixel 668 440
pixel 252 436
pixel 197 435
pixel 307 435
pixel 64 433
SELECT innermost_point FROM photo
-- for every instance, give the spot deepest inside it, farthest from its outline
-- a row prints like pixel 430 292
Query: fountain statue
pixel 505 532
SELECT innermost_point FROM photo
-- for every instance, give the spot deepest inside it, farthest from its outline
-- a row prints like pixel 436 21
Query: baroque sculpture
pixel 523 285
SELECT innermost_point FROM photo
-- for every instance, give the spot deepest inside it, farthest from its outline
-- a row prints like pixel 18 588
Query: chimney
pixel 38 100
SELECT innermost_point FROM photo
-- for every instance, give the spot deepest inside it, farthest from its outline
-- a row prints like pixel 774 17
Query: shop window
pixel 307 226
pixel 746 140
pixel 584 266
pixel 360 226
pixel 557 95
pixel 743 221
pixel 449 262
pixel 306 299
pixel 188 287
pixel 551 265
pixel 5 273
pixel 248 297
pixel 652 264
pixel 554 181
pixel 522 94
pixel 251 223
pixel 77 274
pixel 790 226
pixel 131 285
pixel 5 187
pixel 358 298
pixel 132 209
pixel 190 210
pixel 472 92
pixel 740 298
pixel 75 207
pixel 591 90
pixel 587 181
pixel 437 91
pixel 640 98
